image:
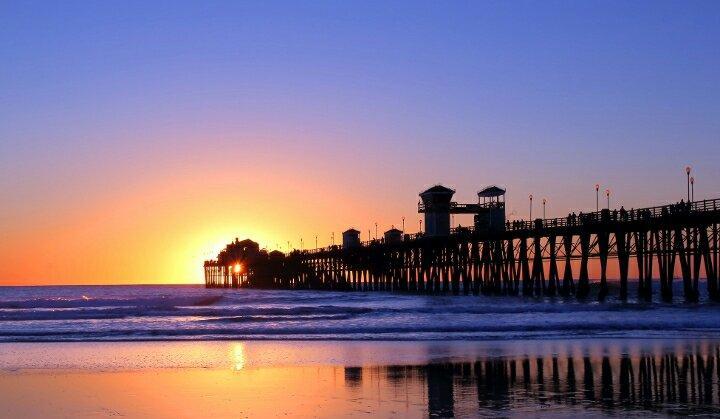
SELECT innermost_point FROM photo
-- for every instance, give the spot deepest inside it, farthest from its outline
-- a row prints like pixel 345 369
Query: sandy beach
pixel 381 379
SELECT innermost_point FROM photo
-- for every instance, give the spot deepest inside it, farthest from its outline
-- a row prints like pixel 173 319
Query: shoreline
pixel 213 354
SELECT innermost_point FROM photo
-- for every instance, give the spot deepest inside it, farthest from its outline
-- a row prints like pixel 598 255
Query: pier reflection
pixel 682 381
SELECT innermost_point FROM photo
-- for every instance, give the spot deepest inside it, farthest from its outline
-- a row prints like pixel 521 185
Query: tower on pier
pixel 393 236
pixel 491 214
pixel 436 206
pixel 351 238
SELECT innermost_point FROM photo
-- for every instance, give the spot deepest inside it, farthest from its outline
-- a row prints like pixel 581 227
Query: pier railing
pixel 618 215
pixel 580 219
pixel 457 208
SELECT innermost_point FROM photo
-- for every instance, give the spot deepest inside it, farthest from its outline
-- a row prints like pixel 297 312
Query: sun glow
pixel 237 268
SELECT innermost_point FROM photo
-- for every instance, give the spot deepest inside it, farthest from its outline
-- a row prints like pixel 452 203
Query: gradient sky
pixel 136 138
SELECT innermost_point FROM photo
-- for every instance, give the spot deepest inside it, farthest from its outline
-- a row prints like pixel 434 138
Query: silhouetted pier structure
pixel 543 257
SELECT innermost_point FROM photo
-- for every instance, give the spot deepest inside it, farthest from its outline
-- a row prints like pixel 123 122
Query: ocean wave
pixel 87 302
pixel 203 308
pixel 686 329
pixel 219 313
pixel 279 318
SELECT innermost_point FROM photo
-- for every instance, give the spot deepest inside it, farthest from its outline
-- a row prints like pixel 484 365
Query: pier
pixel 537 258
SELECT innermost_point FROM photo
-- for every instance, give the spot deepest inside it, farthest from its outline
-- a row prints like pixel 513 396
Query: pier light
pixel 607 193
pixel 531 197
pixel 597 197
pixel 544 202
pixel 403 225
pixel 688 170
pixel 692 188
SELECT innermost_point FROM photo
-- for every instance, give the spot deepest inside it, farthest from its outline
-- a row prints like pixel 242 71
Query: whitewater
pixel 176 312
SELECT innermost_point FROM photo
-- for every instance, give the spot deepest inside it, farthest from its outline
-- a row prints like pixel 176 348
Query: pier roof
pixel 438 189
pixel 491 191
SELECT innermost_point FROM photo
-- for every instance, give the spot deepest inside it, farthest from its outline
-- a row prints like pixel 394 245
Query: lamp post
pixel 692 188
pixel 688 169
pixel 316 241
pixel 544 201
pixel 421 226
pixel 403 225
pixel 530 207
pixel 597 197
pixel 332 238
pixel 375 231
pixel 607 193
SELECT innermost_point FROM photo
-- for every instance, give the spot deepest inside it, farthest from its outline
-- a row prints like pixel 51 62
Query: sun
pixel 237 268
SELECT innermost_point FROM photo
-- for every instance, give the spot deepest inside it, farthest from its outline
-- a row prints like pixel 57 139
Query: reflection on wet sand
pixel 359 379
pixel 675 382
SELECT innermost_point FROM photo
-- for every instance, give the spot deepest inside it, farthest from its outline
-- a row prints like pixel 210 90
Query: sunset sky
pixel 137 138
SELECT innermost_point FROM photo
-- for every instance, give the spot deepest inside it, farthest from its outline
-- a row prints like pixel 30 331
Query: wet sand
pixel 384 379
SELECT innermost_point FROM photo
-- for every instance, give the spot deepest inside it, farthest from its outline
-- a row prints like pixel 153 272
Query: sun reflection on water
pixel 238 356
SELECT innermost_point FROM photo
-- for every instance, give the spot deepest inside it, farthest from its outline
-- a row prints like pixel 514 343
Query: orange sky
pixel 160 227
pixel 154 217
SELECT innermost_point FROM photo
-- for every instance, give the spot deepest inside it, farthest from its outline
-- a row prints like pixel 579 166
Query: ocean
pixel 177 312
pixel 186 351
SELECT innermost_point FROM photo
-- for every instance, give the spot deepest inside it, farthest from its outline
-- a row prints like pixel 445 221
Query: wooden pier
pixel 545 257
